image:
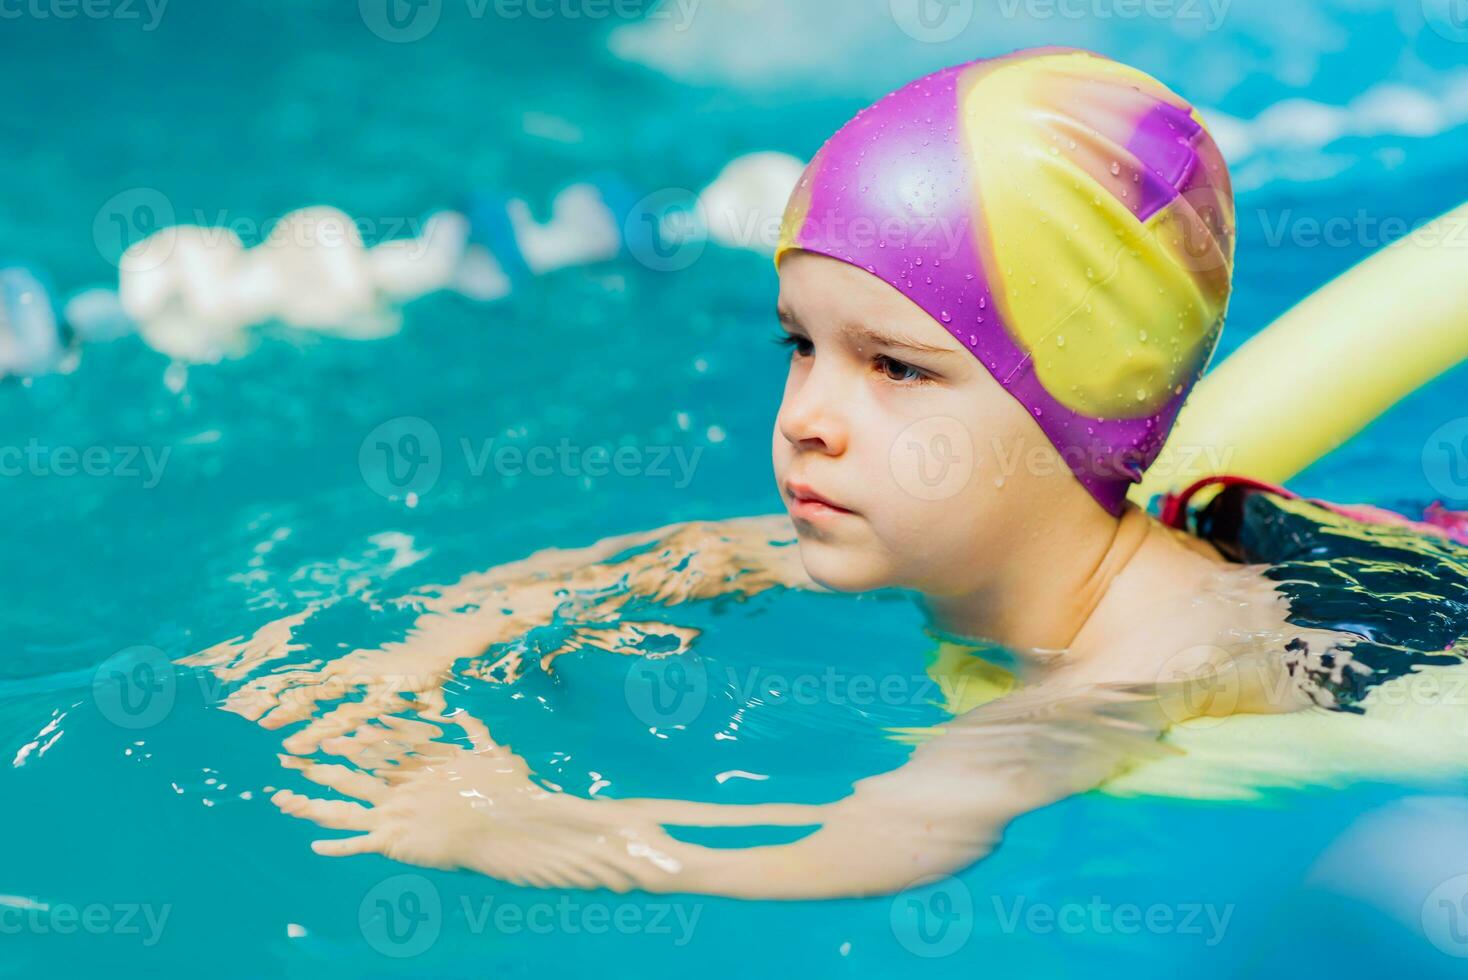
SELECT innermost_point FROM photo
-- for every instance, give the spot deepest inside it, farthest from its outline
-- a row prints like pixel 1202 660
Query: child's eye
pixel 898 372
pixel 801 345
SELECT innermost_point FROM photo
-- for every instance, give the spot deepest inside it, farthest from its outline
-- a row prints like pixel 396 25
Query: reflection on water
pixel 403 730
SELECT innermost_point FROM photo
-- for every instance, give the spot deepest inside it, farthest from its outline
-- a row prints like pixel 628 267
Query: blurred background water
pixel 1343 124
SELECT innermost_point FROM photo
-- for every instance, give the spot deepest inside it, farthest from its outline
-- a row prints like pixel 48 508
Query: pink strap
pixel 1438 520
pixel 1175 505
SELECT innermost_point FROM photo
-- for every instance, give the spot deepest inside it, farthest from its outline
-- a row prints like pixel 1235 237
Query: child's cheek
pixel 932 460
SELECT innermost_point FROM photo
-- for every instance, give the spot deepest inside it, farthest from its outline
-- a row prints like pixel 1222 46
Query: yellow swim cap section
pixel 1111 310
pixel 796 211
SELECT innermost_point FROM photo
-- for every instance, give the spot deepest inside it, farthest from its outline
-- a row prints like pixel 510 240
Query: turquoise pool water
pixel 239 497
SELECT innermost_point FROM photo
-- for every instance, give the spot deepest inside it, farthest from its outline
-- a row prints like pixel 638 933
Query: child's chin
pixel 832 569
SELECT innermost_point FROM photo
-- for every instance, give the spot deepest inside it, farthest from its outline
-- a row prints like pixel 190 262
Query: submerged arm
pixel 948 805
pixel 437 803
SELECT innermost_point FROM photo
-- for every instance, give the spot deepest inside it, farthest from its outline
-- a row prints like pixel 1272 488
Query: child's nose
pixel 810 417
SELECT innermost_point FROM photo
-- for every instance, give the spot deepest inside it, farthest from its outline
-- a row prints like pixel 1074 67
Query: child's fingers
pixel 417 731
pixel 350 782
pixel 298 702
pixel 343 719
pixel 348 846
pixel 333 814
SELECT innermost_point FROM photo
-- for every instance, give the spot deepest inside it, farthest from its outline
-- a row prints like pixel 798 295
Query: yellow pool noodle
pixel 1329 366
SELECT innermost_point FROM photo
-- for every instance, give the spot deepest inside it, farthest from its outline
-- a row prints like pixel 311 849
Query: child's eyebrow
pixel 864 334
pixel 893 340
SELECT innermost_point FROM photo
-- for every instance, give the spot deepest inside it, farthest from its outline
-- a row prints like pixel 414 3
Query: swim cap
pixel 1065 217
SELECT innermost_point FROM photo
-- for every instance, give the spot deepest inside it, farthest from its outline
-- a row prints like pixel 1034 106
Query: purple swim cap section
pixel 893 192
pixel 1164 141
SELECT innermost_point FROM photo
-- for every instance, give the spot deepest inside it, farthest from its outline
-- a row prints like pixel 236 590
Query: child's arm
pixel 437 803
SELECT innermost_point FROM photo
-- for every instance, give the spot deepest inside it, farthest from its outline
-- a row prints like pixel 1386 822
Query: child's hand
pixel 439 804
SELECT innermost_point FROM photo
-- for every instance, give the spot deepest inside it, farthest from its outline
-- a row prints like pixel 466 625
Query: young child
pixel 998 285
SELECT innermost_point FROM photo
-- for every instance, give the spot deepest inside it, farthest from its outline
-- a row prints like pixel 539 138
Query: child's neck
pixel 1050 592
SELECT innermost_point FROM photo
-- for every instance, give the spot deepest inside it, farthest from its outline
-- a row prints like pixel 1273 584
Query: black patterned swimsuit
pixel 1402 592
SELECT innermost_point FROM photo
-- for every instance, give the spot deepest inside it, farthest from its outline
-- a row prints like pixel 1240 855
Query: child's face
pixel 936 466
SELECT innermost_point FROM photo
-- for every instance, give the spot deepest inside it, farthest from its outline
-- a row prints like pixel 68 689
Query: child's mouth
pixel 806 503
